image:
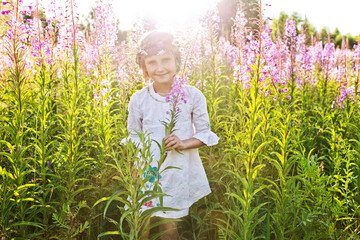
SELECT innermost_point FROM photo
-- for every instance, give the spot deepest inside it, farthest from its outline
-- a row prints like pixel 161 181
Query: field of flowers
pixel 286 111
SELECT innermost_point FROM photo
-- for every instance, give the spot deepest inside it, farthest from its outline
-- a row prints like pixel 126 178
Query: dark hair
pixel 152 43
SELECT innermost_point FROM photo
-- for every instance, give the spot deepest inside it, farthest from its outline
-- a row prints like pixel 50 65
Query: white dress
pixel 146 111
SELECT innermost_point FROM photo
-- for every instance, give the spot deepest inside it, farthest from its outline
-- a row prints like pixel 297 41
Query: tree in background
pixel 227 11
pixel 87 25
pixel 249 8
pixel 309 31
pixel 304 26
pixel 278 26
pixel 342 39
pixel 324 35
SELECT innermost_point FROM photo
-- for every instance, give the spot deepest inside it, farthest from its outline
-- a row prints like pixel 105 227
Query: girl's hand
pixel 172 141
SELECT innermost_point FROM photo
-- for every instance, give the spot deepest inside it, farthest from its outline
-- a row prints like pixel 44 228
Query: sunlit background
pixel 166 14
pixel 175 14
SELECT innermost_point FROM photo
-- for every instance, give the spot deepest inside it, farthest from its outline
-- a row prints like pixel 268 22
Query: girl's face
pixel 161 68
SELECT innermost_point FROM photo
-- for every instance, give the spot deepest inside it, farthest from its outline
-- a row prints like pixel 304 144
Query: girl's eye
pixel 166 60
pixel 151 63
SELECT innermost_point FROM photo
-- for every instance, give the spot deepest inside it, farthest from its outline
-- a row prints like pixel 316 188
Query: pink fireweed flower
pixel 300 58
pixel 106 82
pixel 68 33
pixel 290 28
pixel 328 58
pixel 290 33
pixel 102 92
pixel 346 93
pixel 228 51
pixel 6 12
pixel 356 62
pixel 103 36
pixel 122 74
pixel 177 92
pixel 15 36
pixel 316 53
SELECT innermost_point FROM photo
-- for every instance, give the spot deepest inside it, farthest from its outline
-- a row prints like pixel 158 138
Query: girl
pixel 159 59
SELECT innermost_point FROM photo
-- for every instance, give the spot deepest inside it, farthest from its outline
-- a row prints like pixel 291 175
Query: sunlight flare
pixel 165 14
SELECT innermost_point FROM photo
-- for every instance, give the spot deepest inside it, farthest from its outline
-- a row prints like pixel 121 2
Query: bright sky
pixel 168 13
pixel 341 14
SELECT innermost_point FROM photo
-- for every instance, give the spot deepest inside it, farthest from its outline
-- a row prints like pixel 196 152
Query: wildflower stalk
pixel 357 78
pixel 132 167
pixel 246 217
pixel 283 161
pixel 16 193
pixel 328 55
pixel 102 43
pixel 72 161
pixel 69 156
pixel 356 57
pixel 43 142
pixel 43 107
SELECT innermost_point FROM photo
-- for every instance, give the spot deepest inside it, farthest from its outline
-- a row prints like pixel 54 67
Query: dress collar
pixel 155 95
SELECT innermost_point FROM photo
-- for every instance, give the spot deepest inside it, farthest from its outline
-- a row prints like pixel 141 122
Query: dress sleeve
pixel 201 120
pixel 134 123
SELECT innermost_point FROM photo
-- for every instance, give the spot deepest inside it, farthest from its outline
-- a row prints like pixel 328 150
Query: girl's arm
pixel 174 142
pixel 203 135
pixel 200 119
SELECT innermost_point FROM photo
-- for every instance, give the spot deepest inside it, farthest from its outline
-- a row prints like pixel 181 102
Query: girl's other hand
pixel 172 141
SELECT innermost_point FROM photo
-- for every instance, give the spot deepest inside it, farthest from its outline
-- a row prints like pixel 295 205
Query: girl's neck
pixel 162 89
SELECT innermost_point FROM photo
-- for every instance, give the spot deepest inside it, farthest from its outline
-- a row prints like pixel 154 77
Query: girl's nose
pixel 160 68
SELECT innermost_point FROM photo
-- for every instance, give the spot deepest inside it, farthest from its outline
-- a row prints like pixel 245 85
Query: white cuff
pixel 207 137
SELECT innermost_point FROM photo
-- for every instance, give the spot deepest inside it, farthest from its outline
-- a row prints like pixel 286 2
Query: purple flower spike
pixel 177 92
pixel 6 12
pixel 290 28
pixel 48 164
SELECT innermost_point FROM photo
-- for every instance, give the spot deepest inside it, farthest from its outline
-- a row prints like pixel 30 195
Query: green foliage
pixel 133 220
pixel 283 169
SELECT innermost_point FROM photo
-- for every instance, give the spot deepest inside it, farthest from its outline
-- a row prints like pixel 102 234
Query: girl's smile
pixel 161 68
